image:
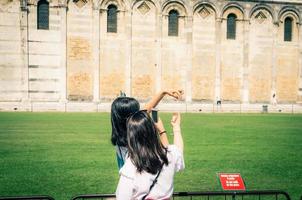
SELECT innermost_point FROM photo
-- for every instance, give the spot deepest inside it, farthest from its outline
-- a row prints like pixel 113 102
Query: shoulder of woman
pixel 177 157
pixel 128 170
pixel 174 149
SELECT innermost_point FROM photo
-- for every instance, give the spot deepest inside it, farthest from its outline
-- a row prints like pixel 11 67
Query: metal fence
pixel 244 195
pixel 42 197
pixel 240 195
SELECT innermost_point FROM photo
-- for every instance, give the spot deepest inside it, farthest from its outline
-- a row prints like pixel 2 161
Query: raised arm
pixel 158 97
pixel 175 122
pixel 162 133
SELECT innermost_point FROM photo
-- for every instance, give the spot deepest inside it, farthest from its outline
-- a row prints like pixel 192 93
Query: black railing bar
pixel 222 193
pixel 92 196
pixel 28 197
pixel 215 193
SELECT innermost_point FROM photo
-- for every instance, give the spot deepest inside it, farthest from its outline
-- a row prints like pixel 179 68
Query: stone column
pixel 245 71
pixel 218 60
pixel 158 53
pixel 24 29
pixel 63 78
pixel 274 60
pixel 96 52
pixel 188 78
pixel 300 64
pixel 128 16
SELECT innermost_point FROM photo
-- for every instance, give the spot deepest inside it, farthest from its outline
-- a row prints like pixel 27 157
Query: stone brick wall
pixel 78 60
pixel 114 54
pixel 12 45
pixel 204 54
pixel 79 52
pixel 260 56
pixel 44 55
pixel 144 47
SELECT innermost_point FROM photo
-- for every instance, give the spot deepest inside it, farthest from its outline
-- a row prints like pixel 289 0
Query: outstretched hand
pixel 175 121
pixel 177 94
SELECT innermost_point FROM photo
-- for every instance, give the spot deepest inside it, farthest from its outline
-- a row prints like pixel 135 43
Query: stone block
pixel 79 48
pixel 44 73
pixel 111 84
pixel 104 107
pixel 39 35
pixel 10 33
pixel 15 106
pixel 10 84
pixel 80 86
pixel 10 74
pixel 11 60
pixel 43 85
pixel 44 95
pixel 143 86
pixel 10 47
pixel 9 19
pixel 81 107
pixel 45 60
pixel 45 48
pixel 203 87
pixel 48 107
pixel 287 88
pixel 259 89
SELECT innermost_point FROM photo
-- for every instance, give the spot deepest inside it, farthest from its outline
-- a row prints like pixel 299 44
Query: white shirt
pixel 134 185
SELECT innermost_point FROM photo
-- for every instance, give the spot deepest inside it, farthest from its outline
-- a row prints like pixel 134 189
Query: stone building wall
pixel 44 55
pixel 76 61
pixel 80 64
pixel 204 59
pixel 13 50
pixel 115 51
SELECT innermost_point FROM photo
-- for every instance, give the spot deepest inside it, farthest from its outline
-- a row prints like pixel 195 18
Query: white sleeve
pixel 177 157
pixel 124 188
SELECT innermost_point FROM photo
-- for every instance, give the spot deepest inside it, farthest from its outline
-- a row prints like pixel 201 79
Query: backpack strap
pixel 155 180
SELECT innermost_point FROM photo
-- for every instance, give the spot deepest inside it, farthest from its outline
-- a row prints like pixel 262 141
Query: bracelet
pixel 162 132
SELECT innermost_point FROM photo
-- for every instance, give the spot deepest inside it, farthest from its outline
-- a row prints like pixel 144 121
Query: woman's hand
pixel 177 94
pixel 175 121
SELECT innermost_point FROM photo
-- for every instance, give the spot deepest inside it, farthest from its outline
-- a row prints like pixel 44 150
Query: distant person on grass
pixel 121 109
pixel 149 169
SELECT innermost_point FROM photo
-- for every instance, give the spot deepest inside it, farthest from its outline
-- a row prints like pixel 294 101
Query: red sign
pixel 232 181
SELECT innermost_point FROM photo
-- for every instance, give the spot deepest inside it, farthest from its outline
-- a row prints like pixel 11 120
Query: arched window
pixel 231 26
pixel 173 23
pixel 288 29
pixel 112 19
pixel 43 14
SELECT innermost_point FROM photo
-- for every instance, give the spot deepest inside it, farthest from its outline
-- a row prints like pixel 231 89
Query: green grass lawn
pixel 65 154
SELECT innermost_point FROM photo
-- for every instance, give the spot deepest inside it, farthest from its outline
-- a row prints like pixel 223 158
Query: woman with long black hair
pixel 149 169
pixel 121 108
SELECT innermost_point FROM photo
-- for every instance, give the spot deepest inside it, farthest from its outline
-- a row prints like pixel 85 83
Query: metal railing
pixel 240 195
pixel 41 197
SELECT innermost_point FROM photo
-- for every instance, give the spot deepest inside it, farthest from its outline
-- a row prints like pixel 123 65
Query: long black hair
pixel 144 147
pixel 121 108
